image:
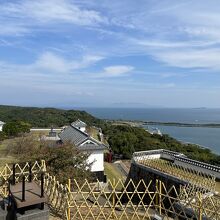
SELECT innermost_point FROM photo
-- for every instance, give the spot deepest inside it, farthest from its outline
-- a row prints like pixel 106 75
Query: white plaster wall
pixel 144 157
pixel 97 157
pixel 82 128
pixel 1 126
pixel 89 142
pixel 166 156
pixel 45 129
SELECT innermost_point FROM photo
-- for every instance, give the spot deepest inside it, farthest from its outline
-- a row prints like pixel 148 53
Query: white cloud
pixel 10 29
pixel 190 58
pixel 177 34
pixel 47 64
pixel 60 10
pixel 111 72
pixel 50 62
pixel 117 70
pixel 22 16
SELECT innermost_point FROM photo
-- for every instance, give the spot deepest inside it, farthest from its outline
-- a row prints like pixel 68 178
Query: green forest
pixel 122 139
pixel 44 117
pixel 125 140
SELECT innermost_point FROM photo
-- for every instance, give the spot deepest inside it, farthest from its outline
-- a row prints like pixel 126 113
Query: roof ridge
pixel 80 130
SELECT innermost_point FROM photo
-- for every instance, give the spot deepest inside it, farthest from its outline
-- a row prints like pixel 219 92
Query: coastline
pixel 144 124
pixel 138 123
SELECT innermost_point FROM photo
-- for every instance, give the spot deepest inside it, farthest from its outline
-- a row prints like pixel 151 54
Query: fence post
pixel 157 194
pixel 113 198
pixel 200 205
pixel 160 195
pixel 6 178
pixel 68 208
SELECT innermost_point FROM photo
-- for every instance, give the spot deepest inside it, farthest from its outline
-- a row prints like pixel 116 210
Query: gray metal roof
pixel 74 135
pixel 78 123
pixel 2 123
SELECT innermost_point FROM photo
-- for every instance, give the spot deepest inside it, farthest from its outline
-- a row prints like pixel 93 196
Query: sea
pixel 204 136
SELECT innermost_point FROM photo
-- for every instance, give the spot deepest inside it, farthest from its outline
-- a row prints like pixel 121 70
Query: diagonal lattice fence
pixel 120 200
pixel 20 169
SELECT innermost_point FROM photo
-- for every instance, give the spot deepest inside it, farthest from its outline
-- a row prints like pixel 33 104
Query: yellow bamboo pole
pixel 160 195
pixel 157 193
pixel 6 177
pixel 113 199
pixel 69 184
pixel 200 205
pixel 68 208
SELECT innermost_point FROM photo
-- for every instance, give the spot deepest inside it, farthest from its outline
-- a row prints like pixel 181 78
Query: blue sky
pixel 101 53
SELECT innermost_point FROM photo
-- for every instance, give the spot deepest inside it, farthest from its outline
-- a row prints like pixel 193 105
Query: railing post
pixel 30 172
pixel 13 175
pixel 42 185
pixel 23 188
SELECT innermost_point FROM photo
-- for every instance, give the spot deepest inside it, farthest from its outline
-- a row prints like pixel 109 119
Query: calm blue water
pixel 209 137
pixel 160 115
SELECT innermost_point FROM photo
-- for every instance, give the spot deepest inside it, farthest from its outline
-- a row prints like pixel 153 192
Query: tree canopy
pixel 125 140
pixel 15 128
pixel 44 117
pixel 64 161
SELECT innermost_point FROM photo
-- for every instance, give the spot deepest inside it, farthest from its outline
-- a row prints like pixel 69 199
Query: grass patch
pixel 112 172
pixel 218 186
pixel 4 156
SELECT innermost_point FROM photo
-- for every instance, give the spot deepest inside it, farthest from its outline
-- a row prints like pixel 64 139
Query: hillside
pixel 44 117
pixel 123 139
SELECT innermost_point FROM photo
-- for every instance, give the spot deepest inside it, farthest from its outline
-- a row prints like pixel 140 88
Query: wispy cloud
pixel 50 62
pixel 47 65
pixel 34 14
pixel 186 58
pixel 161 45
pixel 115 71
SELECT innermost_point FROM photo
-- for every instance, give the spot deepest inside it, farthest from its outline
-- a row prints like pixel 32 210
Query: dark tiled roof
pixel 73 135
pixel 78 137
pixel 78 123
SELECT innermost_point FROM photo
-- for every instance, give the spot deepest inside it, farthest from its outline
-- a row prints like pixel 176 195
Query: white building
pixel 1 125
pixel 80 125
pixel 76 134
